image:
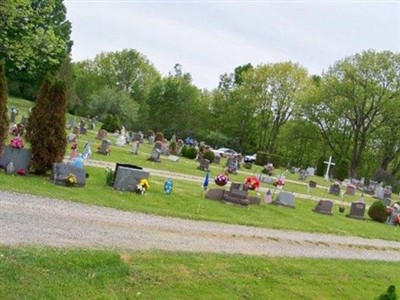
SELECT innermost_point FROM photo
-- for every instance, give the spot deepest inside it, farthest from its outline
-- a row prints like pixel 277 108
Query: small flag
pixel 206 180
pixel 268 197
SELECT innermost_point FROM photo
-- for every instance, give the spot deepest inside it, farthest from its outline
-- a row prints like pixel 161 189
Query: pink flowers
pixel 17 143
pixel 221 179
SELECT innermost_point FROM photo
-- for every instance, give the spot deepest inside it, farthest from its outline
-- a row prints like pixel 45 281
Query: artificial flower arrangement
pixel 71 179
pixel 221 179
pixel 107 151
pixel 17 143
pixel 142 186
pixel 252 183
pixel 21 171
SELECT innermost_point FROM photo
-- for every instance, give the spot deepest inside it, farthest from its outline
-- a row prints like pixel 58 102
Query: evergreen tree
pixel 46 126
pixel 4 124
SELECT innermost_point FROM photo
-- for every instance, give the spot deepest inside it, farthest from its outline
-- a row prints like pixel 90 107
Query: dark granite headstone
pixel 60 171
pixel 335 189
pixel 104 147
pixel 357 210
pixel 312 184
pixel 237 194
pixel 21 158
pixel 285 199
pixel 101 134
pixel 127 177
pixel 324 207
pixel 215 194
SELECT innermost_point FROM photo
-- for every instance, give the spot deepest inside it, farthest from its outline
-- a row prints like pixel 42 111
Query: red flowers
pixel 252 182
pixel 17 143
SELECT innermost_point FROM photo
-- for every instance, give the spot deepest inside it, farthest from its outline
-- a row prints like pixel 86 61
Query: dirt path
pixel 31 220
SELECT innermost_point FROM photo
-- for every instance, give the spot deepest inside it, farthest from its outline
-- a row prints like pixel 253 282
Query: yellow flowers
pixel 71 179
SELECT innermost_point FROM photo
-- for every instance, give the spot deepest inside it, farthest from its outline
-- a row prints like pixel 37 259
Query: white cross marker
pixel 329 163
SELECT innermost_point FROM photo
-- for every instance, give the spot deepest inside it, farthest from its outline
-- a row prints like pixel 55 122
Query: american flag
pixel 268 197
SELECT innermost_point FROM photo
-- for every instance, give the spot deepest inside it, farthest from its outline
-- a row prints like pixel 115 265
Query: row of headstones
pixel 232 163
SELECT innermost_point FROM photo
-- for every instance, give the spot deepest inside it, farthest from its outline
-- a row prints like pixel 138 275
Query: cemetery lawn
pixel 187 201
pixel 46 273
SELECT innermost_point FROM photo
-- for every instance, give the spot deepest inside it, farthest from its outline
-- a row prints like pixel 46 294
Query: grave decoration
pixel 168 185
pixel 252 183
pixel 280 182
pixel 142 187
pixel 221 179
pixel 17 143
pixel 70 179
pixel 394 215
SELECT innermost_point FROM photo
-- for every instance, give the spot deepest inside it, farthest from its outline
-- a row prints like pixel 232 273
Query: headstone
pixel 164 149
pixel 214 194
pixel 311 171
pixel 24 120
pixel 346 182
pixel 266 179
pixel 151 139
pixel 155 155
pixel 104 148
pixel 91 126
pixel 76 130
pixel 204 165
pixel 254 200
pixel 370 189
pixel 387 192
pixel 20 158
pixel 285 199
pixel 312 184
pixel 379 192
pixel 71 138
pixel 60 172
pixel 335 189
pixel 303 175
pixel 350 189
pixel 237 194
pixel 232 165
pixel 173 158
pixel 83 130
pixel 135 147
pixel 217 159
pixel 324 207
pixel 357 210
pixel 13 114
pixel 121 140
pixel 386 201
pixel 70 124
pixel 127 177
pixel 101 135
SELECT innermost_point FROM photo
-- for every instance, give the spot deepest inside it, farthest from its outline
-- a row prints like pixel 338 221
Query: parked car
pixel 250 158
pixel 224 152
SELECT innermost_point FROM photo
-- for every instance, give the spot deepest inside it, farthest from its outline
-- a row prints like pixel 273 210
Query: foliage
pixel 117 103
pixel 110 177
pixel 111 123
pixel 184 150
pixel 159 137
pixel 208 154
pixel 390 294
pixel 377 211
pixel 341 169
pixel 275 160
pixel 262 158
pixel 172 147
pixel 191 153
pixel 35 40
pixel 46 126
pixel 149 133
pixel 4 122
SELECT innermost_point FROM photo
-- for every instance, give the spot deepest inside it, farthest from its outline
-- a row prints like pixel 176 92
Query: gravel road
pixel 31 220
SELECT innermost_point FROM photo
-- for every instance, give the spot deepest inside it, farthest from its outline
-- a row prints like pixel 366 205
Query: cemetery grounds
pixel 116 273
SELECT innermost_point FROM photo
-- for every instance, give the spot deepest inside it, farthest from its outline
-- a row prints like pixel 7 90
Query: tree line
pixel 351 111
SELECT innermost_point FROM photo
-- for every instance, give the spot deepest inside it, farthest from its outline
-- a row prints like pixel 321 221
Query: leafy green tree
pixel 46 126
pixel 354 100
pixel 116 103
pixel 4 123
pixel 34 39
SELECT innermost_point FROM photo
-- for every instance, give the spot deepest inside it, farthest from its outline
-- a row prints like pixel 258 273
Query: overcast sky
pixel 209 38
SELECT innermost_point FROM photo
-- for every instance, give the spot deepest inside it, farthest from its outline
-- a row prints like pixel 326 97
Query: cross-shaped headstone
pixel 329 163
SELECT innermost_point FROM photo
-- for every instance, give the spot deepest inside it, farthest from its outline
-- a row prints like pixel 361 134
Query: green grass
pixel 187 201
pixel 43 273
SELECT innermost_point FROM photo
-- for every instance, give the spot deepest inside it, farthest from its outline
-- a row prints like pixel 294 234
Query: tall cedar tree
pixel 4 123
pixel 46 126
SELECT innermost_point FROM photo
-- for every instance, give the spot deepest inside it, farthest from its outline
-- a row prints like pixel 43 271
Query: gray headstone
pixel 60 171
pixel 101 134
pixel 217 159
pixel 104 147
pixel 266 179
pixel 357 210
pixel 311 171
pixel 151 139
pixel 335 189
pixel 324 207
pixel 173 158
pixel 285 199
pixel 164 149
pixel 127 177
pixel 155 155
pixel 204 165
pixel 214 194
pixel 135 147
pixel 21 158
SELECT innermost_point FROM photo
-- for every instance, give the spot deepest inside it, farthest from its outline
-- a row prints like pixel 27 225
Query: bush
pixel 377 211
pixel 262 158
pixel 111 124
pixel 110 177
pixel 191 153
pixel 172 147
pixel 159 137
pixel 208 154
pixel 275 160
pixel 390 294
pixel 184 150
pixel 149 133
pixel 4 124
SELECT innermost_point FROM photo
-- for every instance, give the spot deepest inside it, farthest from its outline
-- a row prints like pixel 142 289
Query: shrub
pixel 390 294
pixel 377 211
pixel 46 126
pixel 149 133
pixel 111 124
pixel 275 160
pixel 208 154
pixel 184 150
pixel 172 147
pixel 191 153
pixel 110 177
pixel 262 158
pixel 159 136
